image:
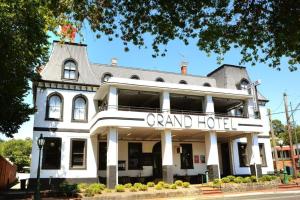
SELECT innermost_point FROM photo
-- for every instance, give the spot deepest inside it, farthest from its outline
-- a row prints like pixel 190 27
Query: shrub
pixel 159 187
pixel 298 174
pixel 143 188
pixel 231 178
pixel 290 178
pixel 186 184
pixel 97 186
pixel 273 177
pixel 225 180
pixel 133 189
pixel 173 186
pixel 128 185
pixel 265 178
pixel 238 179
pixel 150 184
pixel 92 189
pixel 82 187
pixel 120 188
pixel 253 179
pixel 178 183
pixel 108 190
pixel 216 181
pixel 166 186
pixel 137 185
pixel 68 189
pixel 246 180
pixel 161 183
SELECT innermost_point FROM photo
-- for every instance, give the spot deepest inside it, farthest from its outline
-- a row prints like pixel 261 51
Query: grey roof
pixel 226 76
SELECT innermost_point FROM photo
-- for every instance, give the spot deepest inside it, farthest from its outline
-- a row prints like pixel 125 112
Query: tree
pixel 18 151
pixel 264 30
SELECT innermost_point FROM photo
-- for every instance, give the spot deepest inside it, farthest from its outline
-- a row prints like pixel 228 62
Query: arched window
pixel 106 77
pixel 159 79
pixel 80 108
pixel 206 85
pixel 70 69
pixel 244 84
pixel 54 110
pixel 135 77
pixel 182 82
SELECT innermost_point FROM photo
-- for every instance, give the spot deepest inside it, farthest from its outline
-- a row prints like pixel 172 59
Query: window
pixel 78 154
pixel 244 84
pixel 51 153
pixel 54 110
pixel 134 155
pixel 106 77
pixel 70 70
pixel 159 79
pixel 80 108
pixel 243 155
pixel 135 77
pixel 262 154
pixel 102 155
pixel 186 156
pixel 182 82
pixel 206 85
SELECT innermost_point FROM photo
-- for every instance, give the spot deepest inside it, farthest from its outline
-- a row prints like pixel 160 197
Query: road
pixel 285 195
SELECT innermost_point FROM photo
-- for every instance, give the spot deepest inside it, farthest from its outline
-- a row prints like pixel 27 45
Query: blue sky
pixel 274 82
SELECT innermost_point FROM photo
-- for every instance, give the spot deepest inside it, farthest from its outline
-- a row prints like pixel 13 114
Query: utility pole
pixel 290 133
pixel 295 131
pixel 273 140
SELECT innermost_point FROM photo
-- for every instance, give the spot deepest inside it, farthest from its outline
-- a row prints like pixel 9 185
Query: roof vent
pixel 184 66
pixel 114 61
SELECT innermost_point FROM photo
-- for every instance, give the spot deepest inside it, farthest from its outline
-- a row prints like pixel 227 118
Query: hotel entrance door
pixel 157 162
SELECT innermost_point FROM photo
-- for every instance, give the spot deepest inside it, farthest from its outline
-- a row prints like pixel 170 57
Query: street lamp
pixel 40 143
pixel 285 178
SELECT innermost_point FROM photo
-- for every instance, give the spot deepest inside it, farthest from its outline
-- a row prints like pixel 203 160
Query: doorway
pixel 225 159
pixel 157 161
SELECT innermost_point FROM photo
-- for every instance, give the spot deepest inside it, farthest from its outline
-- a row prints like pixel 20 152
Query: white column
pixel 167 156
pixel 165 101
pixel 208 105
pixel 112 100
pixel 212 156
pixel 112 158
pixel 254 154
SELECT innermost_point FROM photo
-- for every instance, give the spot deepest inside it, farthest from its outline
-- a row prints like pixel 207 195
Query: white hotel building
pixel 112 124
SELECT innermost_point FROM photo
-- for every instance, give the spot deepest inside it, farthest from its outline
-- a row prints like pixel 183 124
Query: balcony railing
pixel 173 111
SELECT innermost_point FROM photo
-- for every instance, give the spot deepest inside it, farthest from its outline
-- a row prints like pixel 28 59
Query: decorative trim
pixel 61 129
pixel 119 118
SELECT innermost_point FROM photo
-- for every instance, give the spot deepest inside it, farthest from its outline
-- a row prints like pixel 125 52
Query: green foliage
pixel 238 179
pixel 265 178
pixel 216 181
pixel 120 188
pixel 173 186
pixel 166 185
pixel 137 185
pixel 161 183
pixel 253 179
pixel 231 178
pixel 150 184
pixel 246 180
pixel 159 187
pixel 82 187
pixel 68 189
pixel 133 189
pixel 18 151
pixel 179 183
pixel 143 187
pixel 128 185
pixel 185 184
pixel 225 180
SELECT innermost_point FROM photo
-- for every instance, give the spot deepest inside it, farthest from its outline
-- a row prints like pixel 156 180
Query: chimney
pixel 184 66
pixel 114 62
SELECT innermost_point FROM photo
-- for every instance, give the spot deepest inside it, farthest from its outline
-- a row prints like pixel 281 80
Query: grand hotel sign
pixel 209 122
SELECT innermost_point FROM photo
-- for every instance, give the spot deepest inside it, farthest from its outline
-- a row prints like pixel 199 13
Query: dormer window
pixel 206 85
pixel 136 77
pixel 182 82
pixel 159 79
pixel 70 70
pixel 244 84
pixel 106 77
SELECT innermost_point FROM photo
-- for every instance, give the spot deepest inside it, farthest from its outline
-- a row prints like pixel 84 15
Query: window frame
pixel 61 107
pixel 43 153
pixel 86 109
pixel 139 146
pixel 76 69
pixel 207 84
pixel 84 166
pixel 240 156
pixel 105 74
pixel 135 77
pixel 183 82
pixel 159 79
pixel 191 161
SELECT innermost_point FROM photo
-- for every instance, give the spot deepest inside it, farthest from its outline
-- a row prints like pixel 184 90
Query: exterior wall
pixel 7 173
pixel 65 171
pixel 237 170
